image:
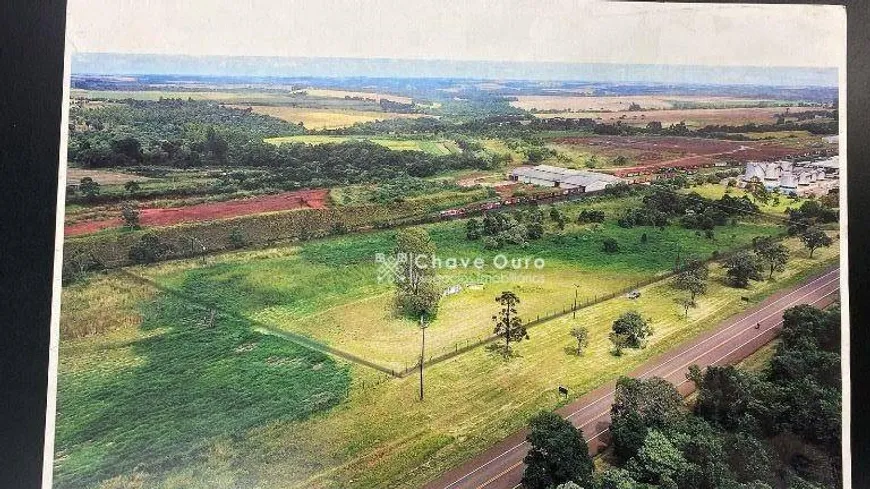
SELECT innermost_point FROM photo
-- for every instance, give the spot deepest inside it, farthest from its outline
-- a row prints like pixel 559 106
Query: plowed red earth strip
pixel 156 217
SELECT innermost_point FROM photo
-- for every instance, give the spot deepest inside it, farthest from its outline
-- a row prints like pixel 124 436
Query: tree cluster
pixel 498 229
pixel 694 211
pixel 809 214
pixel 777 428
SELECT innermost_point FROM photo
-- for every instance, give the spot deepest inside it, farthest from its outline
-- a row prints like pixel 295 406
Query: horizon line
pixel 815 77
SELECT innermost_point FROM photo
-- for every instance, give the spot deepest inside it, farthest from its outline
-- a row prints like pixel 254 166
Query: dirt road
pixel 501 467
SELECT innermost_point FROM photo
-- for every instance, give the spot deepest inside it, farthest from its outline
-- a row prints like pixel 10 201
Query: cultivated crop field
pixel 323 92
pixel 332 422
pixel 315 118
pixel 436 146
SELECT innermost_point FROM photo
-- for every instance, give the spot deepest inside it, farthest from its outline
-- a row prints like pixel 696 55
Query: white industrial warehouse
pixel 554 176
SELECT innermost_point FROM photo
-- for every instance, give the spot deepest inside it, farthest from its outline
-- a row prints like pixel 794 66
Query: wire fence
pixel 446 353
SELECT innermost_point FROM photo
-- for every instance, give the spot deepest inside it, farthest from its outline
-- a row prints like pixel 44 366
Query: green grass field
pixel 169 387
pixel 350 310
pixel 158 394
pixel 170 380
pixel 436 147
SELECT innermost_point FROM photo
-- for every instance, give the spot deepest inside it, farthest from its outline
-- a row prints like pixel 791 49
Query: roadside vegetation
pixel 777 427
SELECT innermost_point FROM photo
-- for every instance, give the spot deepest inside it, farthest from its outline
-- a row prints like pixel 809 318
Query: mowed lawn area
pixel 221 406
pixel 436 147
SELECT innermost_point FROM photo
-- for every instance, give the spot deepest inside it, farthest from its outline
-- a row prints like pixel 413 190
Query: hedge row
pixel 113 249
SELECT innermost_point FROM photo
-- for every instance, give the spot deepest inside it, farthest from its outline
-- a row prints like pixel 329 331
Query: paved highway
pixel 501 467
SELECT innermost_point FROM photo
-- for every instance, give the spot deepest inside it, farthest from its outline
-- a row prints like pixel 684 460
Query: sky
pixel 555 31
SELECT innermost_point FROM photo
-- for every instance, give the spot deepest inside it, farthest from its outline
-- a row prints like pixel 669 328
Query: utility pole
pixel 423 327
pixel 677 264
pixel 574 314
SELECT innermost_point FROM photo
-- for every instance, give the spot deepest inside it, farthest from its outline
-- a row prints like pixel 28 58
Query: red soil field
pixel 694 152
pixel 653 146
pixel 155 217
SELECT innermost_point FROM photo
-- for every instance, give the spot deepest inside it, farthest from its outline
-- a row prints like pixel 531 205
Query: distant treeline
pixel 523 126
pixel 185 134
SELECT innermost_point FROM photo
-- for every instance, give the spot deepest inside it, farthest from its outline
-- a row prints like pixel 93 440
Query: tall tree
pixel 725 394
pixel 89 187
pixel 130 215
pixel 693 279
pixel 741 268
pixel 472 229
pixel 558 454
pixel 771 254
pixel 417 291
pixel 507 323
pixel 132 186
pixel 814 238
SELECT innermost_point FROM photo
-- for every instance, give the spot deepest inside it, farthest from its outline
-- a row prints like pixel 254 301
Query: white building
pixel 554 176
pixel 786 176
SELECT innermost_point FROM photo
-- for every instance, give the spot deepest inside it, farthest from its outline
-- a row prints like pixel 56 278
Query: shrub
pixel 237 238
pixel 590 215
pixel 130 215
pixel 148 249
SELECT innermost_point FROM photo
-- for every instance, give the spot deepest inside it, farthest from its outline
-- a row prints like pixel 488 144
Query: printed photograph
pixel 451 245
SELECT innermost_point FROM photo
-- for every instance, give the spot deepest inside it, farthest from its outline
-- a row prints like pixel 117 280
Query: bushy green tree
pixel 692 279
pixel 771 254
pixel 658 460
pixel 581 335
pixel 725 395
pixel 472 229
pixel 148 249
pixel 640 405
pixel 741 268
pixel 635 327
pixel 558 454
pixel 814 238
pixel 617 478
pixel 88 187
pixel 130 216
pixel 748 457
pixel 132 186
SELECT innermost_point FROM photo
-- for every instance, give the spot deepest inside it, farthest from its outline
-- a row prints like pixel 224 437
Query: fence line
pixel 457 350
pixel 266 328
pixel 433 359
